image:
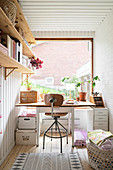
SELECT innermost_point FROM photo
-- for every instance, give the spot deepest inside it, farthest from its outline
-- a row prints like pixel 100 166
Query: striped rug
pixel 47 161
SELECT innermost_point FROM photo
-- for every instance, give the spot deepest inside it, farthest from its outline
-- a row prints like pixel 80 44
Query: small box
pixel 26 137
pixel 28 97
pixel 97 100
pixel 27 123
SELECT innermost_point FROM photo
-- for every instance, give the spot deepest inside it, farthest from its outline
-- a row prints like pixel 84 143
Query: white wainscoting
pixel 9 96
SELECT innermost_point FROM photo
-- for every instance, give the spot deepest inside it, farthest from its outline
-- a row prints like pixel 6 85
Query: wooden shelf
pixel 21 22
pixel 8 28
pixel 9 62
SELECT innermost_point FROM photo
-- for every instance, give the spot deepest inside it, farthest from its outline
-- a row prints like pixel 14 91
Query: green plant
pixel 89 81
pixel 74 80
pixel 27 84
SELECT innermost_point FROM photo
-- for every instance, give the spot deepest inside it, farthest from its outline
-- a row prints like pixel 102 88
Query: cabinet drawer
pixel 23 99
pixel 24 94
pixel 101 118
pixel 101 112
pixel 101 127
pixel 33 94
pixel 32 100
pixel 100 123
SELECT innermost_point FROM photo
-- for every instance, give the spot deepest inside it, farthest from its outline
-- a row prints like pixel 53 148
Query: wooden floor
pixel 53 146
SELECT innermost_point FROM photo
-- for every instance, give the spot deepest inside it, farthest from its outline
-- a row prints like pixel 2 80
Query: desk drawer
pixel 101 118
pixel 100 112
pixel 101 124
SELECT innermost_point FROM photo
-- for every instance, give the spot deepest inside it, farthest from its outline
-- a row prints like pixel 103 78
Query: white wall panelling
pixel 63 34
pixel 103 63
pixel 65 15
pixel 9 90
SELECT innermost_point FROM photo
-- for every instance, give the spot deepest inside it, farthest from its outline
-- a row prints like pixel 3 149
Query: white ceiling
pixel 65 15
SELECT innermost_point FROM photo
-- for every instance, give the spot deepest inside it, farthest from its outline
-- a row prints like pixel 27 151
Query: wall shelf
pixel 8 62
pixel 21 22
pixel 8 28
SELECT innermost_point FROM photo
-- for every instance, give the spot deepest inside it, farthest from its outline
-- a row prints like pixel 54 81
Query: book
pixel 19 52
pixel 6 41
pixel 14 49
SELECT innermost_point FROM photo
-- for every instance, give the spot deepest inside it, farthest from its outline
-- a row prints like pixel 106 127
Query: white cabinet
pixel 83 118
pixel 101 118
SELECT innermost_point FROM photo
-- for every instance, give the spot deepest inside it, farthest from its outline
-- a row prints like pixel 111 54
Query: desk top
pixel 42 104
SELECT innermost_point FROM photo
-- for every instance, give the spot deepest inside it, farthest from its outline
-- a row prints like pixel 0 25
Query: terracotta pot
pixel 77 99
pixel 82 96
pixel 29 88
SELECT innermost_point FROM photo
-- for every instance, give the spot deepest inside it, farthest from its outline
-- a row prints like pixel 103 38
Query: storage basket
pixel 99 159
pixel 10 9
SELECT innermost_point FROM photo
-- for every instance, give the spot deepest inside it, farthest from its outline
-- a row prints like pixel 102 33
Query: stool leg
pixel 60 138
pixel 51 134
pixel 65 130
pixel 46 132
pixel 44 140
pixel 67 137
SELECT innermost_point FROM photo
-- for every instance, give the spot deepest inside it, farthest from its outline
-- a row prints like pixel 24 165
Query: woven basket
pixel 99 159
pixel 10 9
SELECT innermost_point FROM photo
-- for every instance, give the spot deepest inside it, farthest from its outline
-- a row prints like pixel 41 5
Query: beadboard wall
pixel 103 63
pixel 9 96
pixel 63 34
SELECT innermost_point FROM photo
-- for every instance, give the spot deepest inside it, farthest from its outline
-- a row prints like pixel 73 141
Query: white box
pixel 27 123
pixel 26 137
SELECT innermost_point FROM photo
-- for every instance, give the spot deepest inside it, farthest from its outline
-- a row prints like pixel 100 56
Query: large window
pixel 63 59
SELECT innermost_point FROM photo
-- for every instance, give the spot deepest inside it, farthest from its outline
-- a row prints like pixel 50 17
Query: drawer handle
pixel 26 118
pixel 25 137
pixel 100 124
pixel 100 118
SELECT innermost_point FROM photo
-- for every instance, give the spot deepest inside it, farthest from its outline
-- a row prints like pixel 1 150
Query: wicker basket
pixel 10 9
pixel 99 159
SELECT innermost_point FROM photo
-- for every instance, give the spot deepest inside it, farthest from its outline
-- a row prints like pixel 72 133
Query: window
pixel 49 80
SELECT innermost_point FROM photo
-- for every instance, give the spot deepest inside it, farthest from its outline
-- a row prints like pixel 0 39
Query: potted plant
pixel 72 80
pixel 82 94
pixel 27 84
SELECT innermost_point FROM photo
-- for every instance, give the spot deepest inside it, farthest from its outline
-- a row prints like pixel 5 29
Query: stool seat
pixel 56 114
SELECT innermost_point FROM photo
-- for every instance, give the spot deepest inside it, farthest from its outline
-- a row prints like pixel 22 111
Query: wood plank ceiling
pixel 65 15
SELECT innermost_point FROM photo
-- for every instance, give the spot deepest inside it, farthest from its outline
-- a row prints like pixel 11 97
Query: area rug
pixel 47 161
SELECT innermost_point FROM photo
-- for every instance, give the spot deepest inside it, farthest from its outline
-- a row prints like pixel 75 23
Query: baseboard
pixel 4 157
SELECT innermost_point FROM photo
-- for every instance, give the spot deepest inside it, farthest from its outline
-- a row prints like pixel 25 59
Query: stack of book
pixel 14 47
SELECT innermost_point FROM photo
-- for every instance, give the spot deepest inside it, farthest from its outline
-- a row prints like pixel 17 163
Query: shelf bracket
pixel 28 75
pixel 6 68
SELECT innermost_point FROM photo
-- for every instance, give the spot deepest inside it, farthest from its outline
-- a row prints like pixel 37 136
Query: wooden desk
pixel 41 108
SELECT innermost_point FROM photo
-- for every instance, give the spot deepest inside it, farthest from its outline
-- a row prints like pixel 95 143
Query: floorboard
pixel 53 146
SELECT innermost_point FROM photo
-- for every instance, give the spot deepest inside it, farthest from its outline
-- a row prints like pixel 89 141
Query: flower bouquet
pixel 36 63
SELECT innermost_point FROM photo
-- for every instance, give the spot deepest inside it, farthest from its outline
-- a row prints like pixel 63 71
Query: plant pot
pixel 82 96
pixel 29 88
pixel 77 99
pixel 42 96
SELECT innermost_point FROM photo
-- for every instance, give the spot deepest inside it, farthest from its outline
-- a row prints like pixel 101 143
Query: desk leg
pixel 38 124
pixel 72 119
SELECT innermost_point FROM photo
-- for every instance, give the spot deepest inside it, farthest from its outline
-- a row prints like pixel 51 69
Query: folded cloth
pixel 99 136
pixel 107 145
